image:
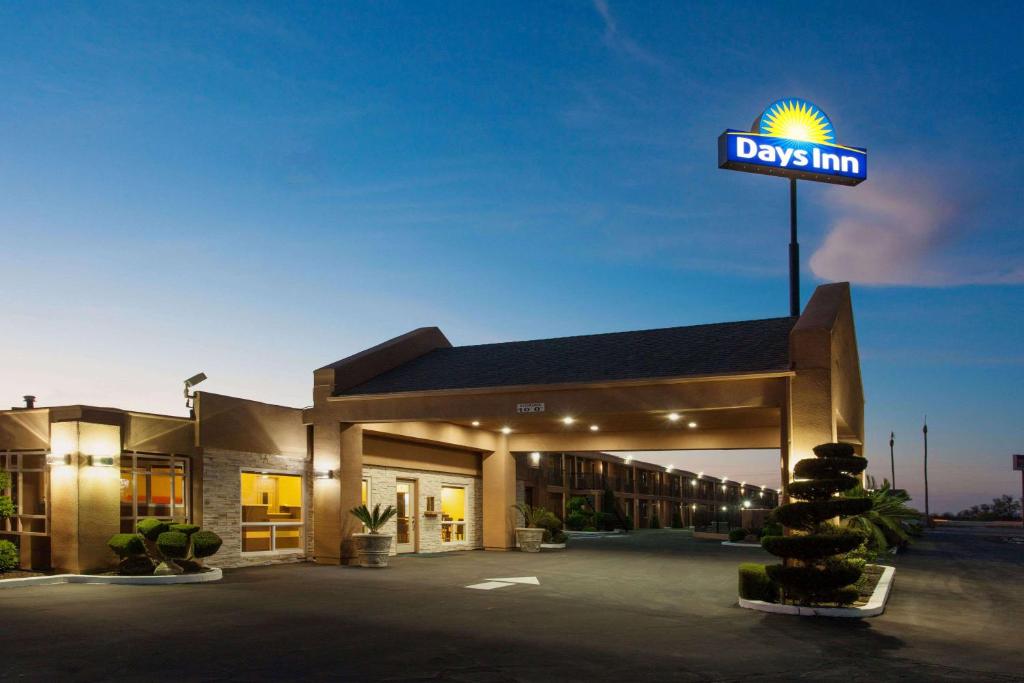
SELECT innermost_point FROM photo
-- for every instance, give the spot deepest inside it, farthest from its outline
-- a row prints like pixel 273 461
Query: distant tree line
pixel 1003 508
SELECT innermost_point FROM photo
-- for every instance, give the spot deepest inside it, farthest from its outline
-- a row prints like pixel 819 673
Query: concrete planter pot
pixel 373 549
pixel 529 539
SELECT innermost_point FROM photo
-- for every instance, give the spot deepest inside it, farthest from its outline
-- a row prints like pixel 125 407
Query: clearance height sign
pixel 793 138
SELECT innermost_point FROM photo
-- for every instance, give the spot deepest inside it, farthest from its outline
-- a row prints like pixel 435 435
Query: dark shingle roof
pixel 717 349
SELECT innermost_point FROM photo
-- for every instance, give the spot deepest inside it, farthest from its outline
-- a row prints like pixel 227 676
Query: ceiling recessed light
pixel 476 423
pixel 568 420
pixel 594 428
pixel 506 430
pixel 692 425
pixel 674 417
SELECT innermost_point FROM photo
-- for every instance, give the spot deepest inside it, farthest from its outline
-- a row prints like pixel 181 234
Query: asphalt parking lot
pixel 654 605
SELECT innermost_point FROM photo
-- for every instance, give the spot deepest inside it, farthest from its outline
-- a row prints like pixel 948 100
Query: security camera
pixel 195 379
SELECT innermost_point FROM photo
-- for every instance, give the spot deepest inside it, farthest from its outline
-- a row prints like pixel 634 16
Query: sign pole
pixel 794 254
pixel 892 458
pixel 927 512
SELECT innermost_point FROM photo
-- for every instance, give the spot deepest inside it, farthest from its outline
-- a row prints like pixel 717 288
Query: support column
pixel 499 497
pixel 351 476
pixel 85 496
pixel 327 493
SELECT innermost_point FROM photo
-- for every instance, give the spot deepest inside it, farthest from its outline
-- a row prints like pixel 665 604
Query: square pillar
pixel 499 497
pixel 337 448
pixel 351 484
pixel 85 496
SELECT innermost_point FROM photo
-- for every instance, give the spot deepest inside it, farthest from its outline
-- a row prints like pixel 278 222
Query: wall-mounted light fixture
pixel 101 460
pixel 535 458
pixel 746 503
pixel 323 474
pixel 54 459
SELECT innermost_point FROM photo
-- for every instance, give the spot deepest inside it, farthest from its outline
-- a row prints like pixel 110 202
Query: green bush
pixel 126 545
pixel 828 468
pixel 813 546
pixel 812 581
pixel 655 522
pixel 755 584
pixel 771 529
pixel 135 565
pixel 205 543
pixel 589 528
pixel 736 535
pixel 558 537
pixel 807 515
pixel 187 529
pixel 834 450
pixel 677 519
pixel 152 528
pixel 9 556
pixel 627 523
pixel 576 520
pixel 821 489
pixel 6 507
pixel 173 544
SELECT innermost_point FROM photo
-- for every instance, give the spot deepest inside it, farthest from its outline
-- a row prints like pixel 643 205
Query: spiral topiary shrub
pixel 755 584
pixel 815 570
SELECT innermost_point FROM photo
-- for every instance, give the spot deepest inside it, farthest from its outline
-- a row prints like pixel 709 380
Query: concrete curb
pixel 215 574
pixel 874 607
pixel 741 545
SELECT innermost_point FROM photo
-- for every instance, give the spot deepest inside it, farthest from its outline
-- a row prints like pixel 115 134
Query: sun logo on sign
pixel 795 119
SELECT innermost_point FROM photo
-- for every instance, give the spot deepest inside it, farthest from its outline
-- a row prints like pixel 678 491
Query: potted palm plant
pixel 373 547
pixel 531 536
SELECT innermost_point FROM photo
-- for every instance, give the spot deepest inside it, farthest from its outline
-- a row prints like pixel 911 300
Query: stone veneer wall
pixel 382 481
pixel 222 502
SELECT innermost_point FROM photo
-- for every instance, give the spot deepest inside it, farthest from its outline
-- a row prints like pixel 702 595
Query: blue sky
pixel 256 190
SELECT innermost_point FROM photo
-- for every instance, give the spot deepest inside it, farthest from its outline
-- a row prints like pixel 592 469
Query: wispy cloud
pixel 893 232
pixel 616 40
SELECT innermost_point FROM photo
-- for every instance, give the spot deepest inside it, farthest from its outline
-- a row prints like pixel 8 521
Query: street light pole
pixel 924 430
pixel 892 458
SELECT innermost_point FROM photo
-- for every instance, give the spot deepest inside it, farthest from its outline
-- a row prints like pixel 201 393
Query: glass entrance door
pixel 405 503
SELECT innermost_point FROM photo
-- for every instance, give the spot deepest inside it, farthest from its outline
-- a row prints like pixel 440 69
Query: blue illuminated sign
pixel 795 139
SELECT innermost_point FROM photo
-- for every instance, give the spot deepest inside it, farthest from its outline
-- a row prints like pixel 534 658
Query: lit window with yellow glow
pixel 453 514
pixel 272 514
pixel 153 486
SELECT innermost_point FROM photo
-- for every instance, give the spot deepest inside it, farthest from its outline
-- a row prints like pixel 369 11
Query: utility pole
pixel 927 515
pixel 892 458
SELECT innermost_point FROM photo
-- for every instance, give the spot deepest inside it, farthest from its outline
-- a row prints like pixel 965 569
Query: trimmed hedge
pixel 813 546
pixel 828 468
pixel 173 544
pixel 187 529
pixel 736 535
pixel 815 581
pixel 821 489
pixel 834 450
pixel 205 543
pixel 807 515
pixel 9 556
pixel 755 584
pixel 152 528
pixel 126 545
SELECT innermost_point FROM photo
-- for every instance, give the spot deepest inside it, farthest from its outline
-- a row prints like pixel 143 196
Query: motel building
pixel 452 436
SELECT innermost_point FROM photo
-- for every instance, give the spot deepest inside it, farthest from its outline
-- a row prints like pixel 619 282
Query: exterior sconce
pixel 535 459
pixel 430 505
pixel 54 459
pixel 746 503
pixel 101 460
pixel 323 474
pixel 723 508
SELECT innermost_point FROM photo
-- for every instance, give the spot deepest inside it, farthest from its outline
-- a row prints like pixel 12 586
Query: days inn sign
pixel 793 138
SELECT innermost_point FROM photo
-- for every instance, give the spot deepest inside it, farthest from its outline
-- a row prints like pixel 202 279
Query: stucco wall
pixel 222 502
pixel 382 482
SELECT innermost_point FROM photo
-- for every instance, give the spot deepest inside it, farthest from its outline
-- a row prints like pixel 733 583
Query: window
pixel 28 491
pixel 272 520
pixel 453 514
pixel 153 486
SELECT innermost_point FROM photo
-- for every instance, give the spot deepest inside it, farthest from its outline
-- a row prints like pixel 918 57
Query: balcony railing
pixel 586 480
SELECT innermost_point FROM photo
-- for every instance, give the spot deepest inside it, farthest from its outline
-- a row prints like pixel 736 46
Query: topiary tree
pixel 815 568
pixel 163 548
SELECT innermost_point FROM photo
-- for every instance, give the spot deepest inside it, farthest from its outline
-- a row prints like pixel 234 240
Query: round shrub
pixel 755 584
pixel 126 545
pixel 152 528
pixel 814 582
pixel 187 529
pixel 9 556
pixel 834 450
pixel 173 544
pixel 828 468
pixel 736 535
pixel 813 546
pixel 205 543
pixel 771 529
pixel 576 520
